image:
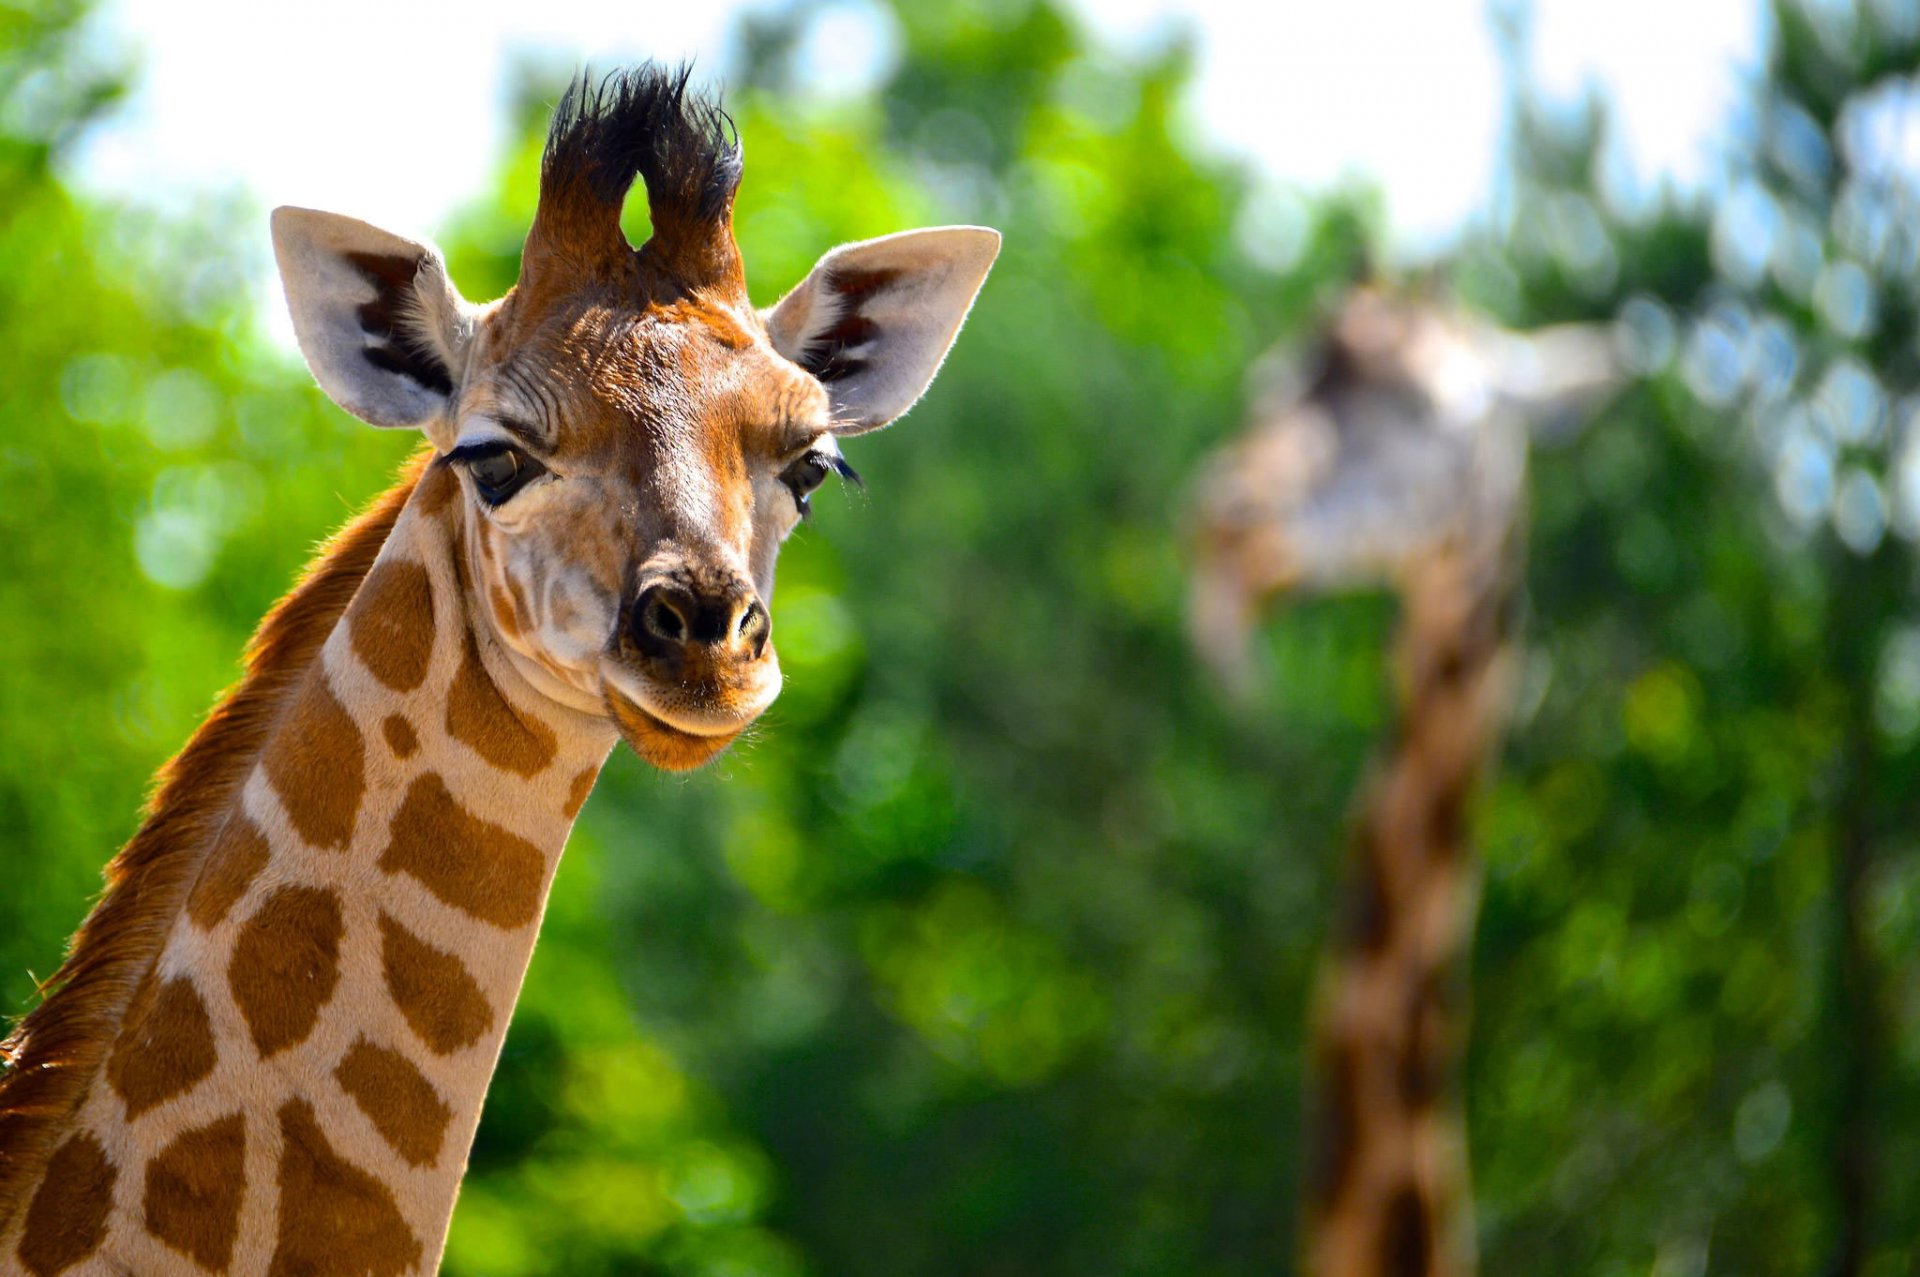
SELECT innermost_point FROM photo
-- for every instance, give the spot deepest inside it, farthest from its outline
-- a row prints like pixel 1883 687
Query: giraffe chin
pixel 659 742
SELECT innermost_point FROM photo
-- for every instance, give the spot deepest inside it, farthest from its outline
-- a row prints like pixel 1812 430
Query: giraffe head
pixel 631 440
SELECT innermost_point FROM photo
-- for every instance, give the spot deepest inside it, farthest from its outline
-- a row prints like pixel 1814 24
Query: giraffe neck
pixel 1390 1196
pixel 296 1080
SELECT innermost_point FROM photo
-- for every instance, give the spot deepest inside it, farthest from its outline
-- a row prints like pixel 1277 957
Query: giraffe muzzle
pixel 672 623
pixel 694 665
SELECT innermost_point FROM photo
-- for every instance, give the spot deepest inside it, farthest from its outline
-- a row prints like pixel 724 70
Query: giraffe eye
pixel 804 477
pixel 499 470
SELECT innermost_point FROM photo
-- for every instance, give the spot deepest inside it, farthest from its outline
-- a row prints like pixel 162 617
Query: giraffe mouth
pixel 659 742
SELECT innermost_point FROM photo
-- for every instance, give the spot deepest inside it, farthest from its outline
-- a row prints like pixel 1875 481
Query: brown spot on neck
pixel 67 1219
pixel 480 717
pixel 335 1219
pixel 391 623
pixel 235 861
pixel 1406 1240
pixel 317 765
pixel 440 999
pixel 194 1188
pixel 166 1047
pixel 477 867
pixel 285 965
pixel 577 792
pixel 400 736
pixel 401 1104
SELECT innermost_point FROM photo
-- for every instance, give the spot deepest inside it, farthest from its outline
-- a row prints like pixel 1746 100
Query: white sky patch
pixel 393 111
pixel 1405 92
pixel 1676 68
pixel 1410 93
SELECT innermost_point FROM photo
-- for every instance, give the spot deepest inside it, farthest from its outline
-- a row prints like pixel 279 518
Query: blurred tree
pixel 1708 832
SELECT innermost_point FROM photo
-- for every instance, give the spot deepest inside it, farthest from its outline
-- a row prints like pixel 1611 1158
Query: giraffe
pixel 1397 459
pixel 267 1050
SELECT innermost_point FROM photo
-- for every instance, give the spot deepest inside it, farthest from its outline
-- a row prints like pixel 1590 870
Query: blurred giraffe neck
pixel 276 1032
pixel 1391 1197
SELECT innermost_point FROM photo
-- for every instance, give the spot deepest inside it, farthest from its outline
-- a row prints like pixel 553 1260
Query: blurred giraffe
pixel 1395 459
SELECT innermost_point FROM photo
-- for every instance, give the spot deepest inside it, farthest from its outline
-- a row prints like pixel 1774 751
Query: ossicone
pixel 648 124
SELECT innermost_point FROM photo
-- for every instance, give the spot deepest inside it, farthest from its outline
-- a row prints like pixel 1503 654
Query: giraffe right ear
pixel 873 320
pixel 377 318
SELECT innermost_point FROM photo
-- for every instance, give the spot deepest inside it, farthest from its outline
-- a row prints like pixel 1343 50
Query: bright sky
pixel 390 110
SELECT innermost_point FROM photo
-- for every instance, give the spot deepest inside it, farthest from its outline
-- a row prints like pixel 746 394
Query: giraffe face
pixel 628 475
pixel 632 440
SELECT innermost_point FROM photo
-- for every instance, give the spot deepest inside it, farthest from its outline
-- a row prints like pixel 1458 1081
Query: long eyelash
pixel 475 451
pixel 839 466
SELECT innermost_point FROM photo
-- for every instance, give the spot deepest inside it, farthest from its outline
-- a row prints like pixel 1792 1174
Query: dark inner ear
pixel 827 357
pixel 394 350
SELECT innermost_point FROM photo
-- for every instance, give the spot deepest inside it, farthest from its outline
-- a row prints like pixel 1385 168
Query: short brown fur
pixel 400 736
pixel 577 792
pixel 236 860
pixel 471 864
pixel 335 1219
pixel 68 1217
pixel 480 717
pixel 194 1188
pixel 325 742
pixel 166 1047
pixel 286 965
pixel 439 997
pixel 397 1099
pixel 393 630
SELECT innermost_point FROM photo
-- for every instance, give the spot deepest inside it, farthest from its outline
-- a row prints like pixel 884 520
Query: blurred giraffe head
pixel 1400 442
pixel 632 439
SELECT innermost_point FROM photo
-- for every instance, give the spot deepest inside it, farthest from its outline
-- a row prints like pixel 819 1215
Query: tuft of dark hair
pixel 644 122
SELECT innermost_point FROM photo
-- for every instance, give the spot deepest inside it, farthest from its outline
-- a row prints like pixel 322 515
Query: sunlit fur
pixel 665 431
pixel 56 1051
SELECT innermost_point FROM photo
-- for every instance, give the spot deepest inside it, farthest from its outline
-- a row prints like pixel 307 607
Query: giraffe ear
pixel 874 319
pixel 377 318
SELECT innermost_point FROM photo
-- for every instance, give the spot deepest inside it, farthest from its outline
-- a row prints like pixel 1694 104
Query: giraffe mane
pixel 57 1048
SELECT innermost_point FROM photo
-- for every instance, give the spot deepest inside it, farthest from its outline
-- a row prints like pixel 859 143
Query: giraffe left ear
pixel 377 318
pixel 873 320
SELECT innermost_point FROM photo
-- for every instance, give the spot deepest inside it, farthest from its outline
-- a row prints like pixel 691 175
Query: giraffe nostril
pixel 755 628
pixel 663 620
pixel 659 623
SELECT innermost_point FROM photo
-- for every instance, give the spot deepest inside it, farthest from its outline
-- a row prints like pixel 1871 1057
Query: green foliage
pixel 991 952
pixel 1687 995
